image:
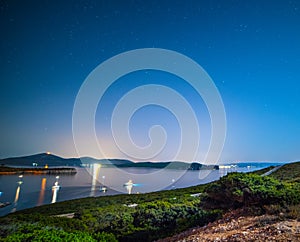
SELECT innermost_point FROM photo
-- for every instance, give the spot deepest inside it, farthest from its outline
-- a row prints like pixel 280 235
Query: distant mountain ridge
pixel 44 159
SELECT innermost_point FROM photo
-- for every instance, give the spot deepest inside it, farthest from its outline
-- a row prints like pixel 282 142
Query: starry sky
pixel 250 49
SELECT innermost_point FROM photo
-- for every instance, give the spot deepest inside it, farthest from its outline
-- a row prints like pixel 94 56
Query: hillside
pixel 234 226
pixel 274 219
pixel 52 160
pixel 288 172
pixel 41 159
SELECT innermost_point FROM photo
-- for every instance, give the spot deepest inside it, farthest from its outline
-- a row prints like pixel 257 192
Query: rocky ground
pixel 236 227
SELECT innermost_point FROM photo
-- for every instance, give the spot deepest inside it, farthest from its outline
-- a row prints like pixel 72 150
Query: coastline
pixel 36 171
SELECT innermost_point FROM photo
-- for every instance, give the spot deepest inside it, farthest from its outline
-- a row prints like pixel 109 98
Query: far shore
pixel 4 170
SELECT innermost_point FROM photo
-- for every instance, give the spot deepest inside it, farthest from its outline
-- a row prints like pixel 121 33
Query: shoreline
pixel 36 171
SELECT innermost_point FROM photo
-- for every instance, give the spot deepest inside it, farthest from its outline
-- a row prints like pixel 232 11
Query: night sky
pixel 250 49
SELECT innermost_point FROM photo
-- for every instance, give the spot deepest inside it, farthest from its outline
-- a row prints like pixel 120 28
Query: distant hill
pixel 107 162
pixel 52 160
pixel 170 165
pixel 41 159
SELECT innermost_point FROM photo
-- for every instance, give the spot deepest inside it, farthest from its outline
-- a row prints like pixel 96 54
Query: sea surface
pixel 34 190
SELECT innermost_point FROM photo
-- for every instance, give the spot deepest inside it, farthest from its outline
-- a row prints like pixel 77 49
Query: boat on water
pixel 129 183
pixel 2 205
pixel 128 186
pixel 103 189
pixel 55 189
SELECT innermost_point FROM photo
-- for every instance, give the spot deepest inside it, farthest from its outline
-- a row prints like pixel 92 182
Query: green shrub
pixel 38 233
pixel 240 189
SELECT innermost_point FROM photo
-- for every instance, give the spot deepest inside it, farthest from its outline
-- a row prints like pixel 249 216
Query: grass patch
pixel 288 172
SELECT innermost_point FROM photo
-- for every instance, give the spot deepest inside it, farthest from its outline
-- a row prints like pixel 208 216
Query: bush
pixel 148 220
pixel 38 233
pixel 243 189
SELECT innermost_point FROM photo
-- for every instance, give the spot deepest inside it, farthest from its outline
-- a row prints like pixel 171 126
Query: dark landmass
pixel 41 160
pixel 4 170
pixel 170 165
pixel 52 160
pixel 238 207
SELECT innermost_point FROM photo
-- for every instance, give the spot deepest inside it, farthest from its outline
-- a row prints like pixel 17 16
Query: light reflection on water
pixel 36 190
pixel 42 192
pixel 15 203
pixel 94 170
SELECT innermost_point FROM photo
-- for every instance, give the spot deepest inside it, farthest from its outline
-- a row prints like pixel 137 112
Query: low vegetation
pixel 123 217
pixel 288 172
pixel 237 190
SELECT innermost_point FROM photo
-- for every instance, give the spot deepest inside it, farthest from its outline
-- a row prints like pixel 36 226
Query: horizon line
pixel 122 158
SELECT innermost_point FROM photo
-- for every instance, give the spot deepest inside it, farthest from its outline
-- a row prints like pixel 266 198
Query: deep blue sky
pixel 250 49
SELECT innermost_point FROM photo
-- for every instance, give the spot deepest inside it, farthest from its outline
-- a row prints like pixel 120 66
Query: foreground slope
pixel 238 227
pixel 263 221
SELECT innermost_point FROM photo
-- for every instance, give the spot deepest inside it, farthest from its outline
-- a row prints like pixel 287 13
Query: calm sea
pixel 35 190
